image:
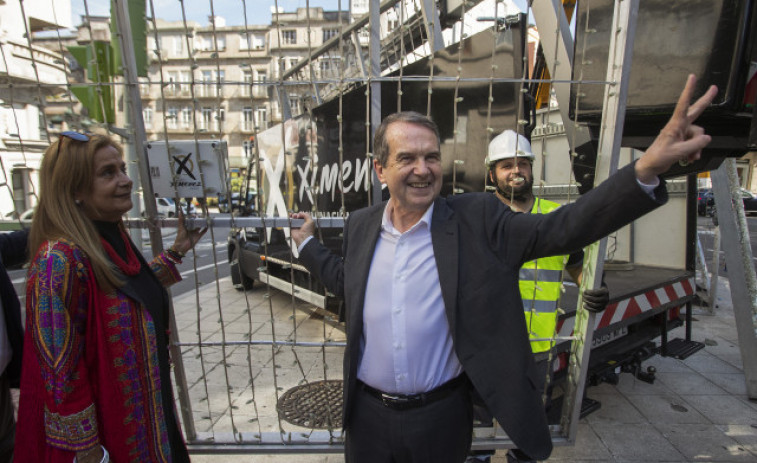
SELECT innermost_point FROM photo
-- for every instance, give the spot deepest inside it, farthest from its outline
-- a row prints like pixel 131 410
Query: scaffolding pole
pixel 139 137
pixel 738 258
pixel 608 154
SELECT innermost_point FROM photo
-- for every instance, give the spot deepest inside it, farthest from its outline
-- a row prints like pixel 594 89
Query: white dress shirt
pixel 406 346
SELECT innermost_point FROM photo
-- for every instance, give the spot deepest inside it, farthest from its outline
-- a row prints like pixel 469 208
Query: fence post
pixel 738 259
pixel 139 136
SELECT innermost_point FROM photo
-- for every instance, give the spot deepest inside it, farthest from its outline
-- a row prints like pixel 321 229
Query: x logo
pixel 181 163
pixel 276 204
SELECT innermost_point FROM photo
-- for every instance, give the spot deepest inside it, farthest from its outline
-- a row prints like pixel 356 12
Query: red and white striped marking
pixel 633 306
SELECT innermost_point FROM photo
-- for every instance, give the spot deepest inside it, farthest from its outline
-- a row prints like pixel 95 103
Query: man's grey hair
pixel 380 145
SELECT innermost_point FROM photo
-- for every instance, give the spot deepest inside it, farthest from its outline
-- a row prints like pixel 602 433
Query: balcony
pixel 258 91
pixel 209 90
pixel 177 93
pixel 19 67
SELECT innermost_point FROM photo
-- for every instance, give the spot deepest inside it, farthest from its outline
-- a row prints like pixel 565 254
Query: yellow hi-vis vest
pixel 540 282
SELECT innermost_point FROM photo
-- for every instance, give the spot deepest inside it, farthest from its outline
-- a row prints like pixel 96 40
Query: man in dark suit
pixel 431 292
pixel 13 251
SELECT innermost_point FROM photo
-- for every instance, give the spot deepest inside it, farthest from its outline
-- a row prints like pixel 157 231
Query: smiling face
pixel 513 177
pixel 109 197
pixel 413 170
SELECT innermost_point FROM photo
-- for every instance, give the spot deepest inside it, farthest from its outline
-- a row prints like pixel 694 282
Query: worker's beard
pixel 518 193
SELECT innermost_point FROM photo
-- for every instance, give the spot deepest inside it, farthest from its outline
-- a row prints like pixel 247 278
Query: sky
pixel 258 11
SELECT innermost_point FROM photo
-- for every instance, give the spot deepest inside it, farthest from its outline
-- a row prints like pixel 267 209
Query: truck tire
pixel 240 281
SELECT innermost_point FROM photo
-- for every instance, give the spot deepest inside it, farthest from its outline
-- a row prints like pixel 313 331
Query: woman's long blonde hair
pixel 67 169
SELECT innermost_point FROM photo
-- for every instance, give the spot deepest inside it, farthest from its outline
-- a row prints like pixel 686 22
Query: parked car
pixel 704 198
pixel 167 207
pixel 706 202
pixel 224 206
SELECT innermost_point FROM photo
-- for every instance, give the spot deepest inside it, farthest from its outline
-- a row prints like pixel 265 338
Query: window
pixel 251 41
pixel 261 91
pixel 328 33
pixel 147 117
pixel 289 62
pixel 171 115
pixel 207 119
pixel 220 78
pixel 258 41
pixel 247 121
pixel 261 117
pixel 206 42
pixel 178 83
pixel 186 117
pixel 185 81
pixel 178 44
pixel 294 105
pixel 329 64
pixel 212 118
pixel 144 87
pixel 207 83
pixel 245 41
pixel 211 82
pixel 173 83
pixel 152 45
pixel 246 82
pixel 289 36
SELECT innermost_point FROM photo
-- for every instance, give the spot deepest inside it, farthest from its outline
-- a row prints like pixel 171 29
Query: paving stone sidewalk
pixel 696 411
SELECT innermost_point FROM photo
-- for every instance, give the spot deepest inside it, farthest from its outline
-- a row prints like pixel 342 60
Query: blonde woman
pixel 95 382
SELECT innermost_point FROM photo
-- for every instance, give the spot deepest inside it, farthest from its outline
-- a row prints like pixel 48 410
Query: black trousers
pixel 439 432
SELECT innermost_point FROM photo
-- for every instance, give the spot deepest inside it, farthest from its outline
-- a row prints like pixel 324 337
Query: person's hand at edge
pixel 186 239
pixel 307 229
pixel 595 300
pixel 680 140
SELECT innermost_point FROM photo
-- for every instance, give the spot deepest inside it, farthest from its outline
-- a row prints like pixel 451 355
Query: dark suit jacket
pixel 13 251
pixel 479 245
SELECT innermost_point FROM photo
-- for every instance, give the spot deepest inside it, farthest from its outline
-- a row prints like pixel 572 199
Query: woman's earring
pixel 77 202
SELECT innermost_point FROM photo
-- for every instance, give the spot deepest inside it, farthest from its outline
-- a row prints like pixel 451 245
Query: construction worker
pixel 510 163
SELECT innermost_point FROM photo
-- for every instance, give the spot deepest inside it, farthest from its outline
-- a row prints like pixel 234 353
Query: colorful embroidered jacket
pixel 88 374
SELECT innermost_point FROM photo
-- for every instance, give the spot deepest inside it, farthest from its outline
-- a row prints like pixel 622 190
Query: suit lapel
pixel 367 231
pixel 444 237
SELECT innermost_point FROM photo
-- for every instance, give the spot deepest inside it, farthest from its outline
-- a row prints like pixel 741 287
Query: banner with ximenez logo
pixel 187 169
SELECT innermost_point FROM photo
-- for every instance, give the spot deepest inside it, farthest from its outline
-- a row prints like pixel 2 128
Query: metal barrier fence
pixel 259 371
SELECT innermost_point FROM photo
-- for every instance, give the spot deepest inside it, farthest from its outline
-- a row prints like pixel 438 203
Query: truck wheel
pixel 240 281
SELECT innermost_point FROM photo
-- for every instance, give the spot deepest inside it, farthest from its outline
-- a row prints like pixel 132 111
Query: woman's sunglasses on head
pixel 78 136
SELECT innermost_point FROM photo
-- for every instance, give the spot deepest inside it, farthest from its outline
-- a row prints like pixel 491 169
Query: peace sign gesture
pixel 680 139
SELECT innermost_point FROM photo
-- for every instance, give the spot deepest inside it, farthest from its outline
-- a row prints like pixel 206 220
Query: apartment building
pixel 29 74
pixel 294 36
pixel 217 81
pixel 210 81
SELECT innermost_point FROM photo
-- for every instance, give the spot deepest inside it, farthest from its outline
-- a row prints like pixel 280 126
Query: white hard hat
pixel 507 145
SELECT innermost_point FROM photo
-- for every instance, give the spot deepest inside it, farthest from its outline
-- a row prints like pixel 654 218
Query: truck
pixel 476 86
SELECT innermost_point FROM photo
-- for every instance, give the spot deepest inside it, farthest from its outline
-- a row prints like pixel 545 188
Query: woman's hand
pixel 185 238
pixel 93 455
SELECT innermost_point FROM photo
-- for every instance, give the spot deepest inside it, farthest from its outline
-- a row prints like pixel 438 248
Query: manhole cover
pixel 313 405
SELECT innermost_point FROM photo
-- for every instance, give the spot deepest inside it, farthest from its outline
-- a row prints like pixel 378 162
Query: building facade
pixel 29 75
